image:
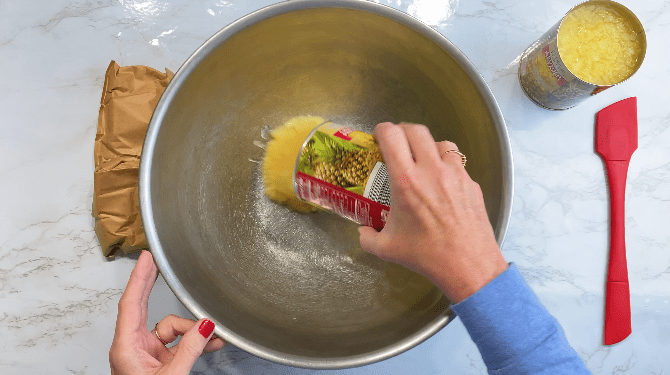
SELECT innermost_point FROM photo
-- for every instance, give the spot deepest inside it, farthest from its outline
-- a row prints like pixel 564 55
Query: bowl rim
pixel 173 87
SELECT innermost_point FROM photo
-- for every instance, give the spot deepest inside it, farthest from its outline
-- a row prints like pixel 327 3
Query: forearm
pixel 514 333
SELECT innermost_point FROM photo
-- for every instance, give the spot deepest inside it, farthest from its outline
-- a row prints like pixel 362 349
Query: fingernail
pixel 206 328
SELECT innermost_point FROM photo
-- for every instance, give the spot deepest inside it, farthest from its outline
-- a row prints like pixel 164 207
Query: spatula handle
pixel 617 302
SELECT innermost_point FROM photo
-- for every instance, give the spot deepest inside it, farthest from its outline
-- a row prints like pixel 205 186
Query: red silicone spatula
pixel 616 140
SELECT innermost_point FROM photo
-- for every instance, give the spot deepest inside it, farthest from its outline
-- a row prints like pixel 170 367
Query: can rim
pixel 630 15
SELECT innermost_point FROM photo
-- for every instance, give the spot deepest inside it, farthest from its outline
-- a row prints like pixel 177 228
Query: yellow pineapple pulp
pixel 279 161
pixel 599 45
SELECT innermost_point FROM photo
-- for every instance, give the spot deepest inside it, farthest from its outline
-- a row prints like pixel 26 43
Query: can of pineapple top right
pixel 596 45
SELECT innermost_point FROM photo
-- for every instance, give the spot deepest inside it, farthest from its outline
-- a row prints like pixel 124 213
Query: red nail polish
pixel 206 328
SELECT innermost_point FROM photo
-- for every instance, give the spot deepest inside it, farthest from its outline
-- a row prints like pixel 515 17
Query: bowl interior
pixel 277 283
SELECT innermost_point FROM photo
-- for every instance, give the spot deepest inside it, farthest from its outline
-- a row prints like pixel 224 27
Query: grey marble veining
pixel 58 295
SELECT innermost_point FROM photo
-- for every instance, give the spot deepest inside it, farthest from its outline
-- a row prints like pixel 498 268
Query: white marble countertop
pixel 58 295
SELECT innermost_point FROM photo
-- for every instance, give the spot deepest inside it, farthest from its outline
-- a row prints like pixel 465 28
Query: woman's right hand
pixel 438 224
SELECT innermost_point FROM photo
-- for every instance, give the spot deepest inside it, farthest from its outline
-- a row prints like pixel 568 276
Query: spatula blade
pixel 616 130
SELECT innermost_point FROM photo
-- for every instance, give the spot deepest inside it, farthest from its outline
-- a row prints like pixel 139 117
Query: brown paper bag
pixel 129 97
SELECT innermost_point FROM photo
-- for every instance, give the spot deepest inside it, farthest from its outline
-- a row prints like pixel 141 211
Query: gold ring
pixel 463 158
pixel 158 336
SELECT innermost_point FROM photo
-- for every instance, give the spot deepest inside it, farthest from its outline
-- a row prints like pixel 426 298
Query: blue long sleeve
pixel 515 334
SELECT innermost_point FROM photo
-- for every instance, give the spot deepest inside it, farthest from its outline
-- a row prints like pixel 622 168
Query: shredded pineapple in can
pixel 598 44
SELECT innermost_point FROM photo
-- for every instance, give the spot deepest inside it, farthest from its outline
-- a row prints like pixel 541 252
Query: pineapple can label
pixel 342 170
pixel 546 80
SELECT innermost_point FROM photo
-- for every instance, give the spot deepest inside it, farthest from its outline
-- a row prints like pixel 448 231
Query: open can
pixel 544 76
pixel 342 170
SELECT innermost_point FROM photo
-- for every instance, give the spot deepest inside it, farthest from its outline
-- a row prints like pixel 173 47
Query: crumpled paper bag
pixel 129 97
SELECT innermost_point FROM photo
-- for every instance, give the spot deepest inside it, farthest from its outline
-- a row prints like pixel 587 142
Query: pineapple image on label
pixel 342 170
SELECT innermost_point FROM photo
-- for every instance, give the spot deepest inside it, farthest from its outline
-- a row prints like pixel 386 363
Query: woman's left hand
pixel 137 350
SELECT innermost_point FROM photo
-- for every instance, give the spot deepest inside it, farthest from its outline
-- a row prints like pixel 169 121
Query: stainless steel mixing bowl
pixel 293 288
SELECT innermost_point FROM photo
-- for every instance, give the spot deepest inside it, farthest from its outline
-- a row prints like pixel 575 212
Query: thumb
pixel 191 346
pixel 369 238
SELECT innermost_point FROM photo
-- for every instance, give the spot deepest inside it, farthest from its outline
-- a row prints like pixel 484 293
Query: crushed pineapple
pixel 279 161
pixel 599 45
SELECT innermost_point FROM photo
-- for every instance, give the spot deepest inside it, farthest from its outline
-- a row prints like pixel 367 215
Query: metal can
pixel 342 170
pixel 544 76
